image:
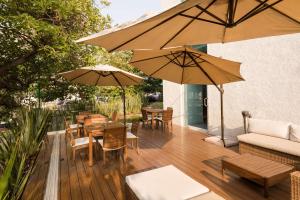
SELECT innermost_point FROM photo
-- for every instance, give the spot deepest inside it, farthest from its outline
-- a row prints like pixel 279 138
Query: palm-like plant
pixel 19 148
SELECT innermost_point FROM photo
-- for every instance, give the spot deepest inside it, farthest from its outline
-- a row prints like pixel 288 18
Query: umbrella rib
pixel 185 26
pixel 98 79
pixel 128 77
pixel 176 58
pixel 212 15
pixel 252 12
pixel 81 75
pixel 206 74
pixel 272 8
pixel 200 19
pixel 163 65
pixel 221 69
pixel 149 58
pixel 153 27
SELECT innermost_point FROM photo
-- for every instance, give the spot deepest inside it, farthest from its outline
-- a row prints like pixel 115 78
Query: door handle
pixel 205 101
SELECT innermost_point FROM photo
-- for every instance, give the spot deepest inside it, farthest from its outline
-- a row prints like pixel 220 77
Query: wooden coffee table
pixel 260 170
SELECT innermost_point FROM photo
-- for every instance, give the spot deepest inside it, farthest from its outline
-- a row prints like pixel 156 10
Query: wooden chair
pixel 73 127
pixel 85 113
pixel 145 118
pixel 76 143
pixel 95 116
pixel 132 135
pixel 114 138
pixel 89 121
pixel 166 119
pixel 114 116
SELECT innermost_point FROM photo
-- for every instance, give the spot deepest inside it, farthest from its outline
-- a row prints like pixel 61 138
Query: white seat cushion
pixel 268 127
pixel 167 183
pixel 82 141
pixel 73 126
pixel 269 142
pixel 101 142
pixel 130 135
pixel 295 133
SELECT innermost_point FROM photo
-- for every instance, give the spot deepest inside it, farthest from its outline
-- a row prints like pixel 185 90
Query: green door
pixel 196 101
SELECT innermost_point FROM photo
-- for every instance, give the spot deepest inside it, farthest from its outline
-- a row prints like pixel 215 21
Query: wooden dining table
pixel 154 113
pixel 96 130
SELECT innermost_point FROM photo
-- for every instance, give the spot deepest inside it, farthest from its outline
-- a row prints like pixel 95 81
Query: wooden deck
pixel 183 148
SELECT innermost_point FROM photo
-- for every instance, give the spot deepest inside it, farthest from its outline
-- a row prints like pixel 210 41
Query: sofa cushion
pixel 269 142
pixel 268 127
pixel 295 133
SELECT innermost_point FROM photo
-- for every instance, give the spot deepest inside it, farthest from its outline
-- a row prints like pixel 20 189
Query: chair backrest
pixel 135 127
pixel 88 121
pixel 169 108
pixel 114 116
pixel 167 115
pixel 95 116
pixel 144 114
pixel 85 113
pixel 114 137
pixel 69 132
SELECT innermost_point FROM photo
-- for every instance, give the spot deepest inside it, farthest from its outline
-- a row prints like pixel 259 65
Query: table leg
pixel 137 145
pixel 90 149
pixel 152 120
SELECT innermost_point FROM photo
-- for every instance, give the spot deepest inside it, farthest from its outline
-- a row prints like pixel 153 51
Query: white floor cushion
pixel 165 183
pixel 269 142
pixel 268 127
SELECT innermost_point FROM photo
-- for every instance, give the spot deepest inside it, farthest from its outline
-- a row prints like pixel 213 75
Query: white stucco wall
pixel 173 96
pixel 271 68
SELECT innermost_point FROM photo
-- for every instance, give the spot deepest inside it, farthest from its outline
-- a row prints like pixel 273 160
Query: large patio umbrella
pixel 104 75
pixel 202 22
pixel 185 65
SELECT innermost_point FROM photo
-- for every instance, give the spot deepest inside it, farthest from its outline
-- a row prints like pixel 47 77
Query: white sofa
pixel 279 141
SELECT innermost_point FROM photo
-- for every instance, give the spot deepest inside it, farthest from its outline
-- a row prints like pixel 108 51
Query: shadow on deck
pixel 183 148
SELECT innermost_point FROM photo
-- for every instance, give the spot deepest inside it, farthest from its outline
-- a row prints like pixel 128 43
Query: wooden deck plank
pixel 64 189
pixel 183 148
pixel 73 177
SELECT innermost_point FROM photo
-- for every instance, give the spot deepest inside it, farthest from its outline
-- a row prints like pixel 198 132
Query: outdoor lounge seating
pixel 166 183
pixel 278 141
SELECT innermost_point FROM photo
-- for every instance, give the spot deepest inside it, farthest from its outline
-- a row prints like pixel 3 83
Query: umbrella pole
pixel 222 114
pixel 124 104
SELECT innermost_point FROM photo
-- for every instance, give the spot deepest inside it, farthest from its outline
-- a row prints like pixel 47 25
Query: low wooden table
pixel 260 170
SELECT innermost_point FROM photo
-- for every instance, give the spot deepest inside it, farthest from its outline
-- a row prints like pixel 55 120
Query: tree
pixel 37 42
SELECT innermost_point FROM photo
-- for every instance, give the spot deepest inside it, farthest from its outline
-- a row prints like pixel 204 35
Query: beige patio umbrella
pixel 185 65
pixel 202 22
pixel 103 75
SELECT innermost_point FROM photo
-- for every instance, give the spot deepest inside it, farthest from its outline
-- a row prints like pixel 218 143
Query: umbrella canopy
pixel 186 65
pixel 103 75
pixel 203 22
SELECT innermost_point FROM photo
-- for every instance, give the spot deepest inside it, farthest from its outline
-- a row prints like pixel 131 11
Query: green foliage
pixel 133 105
pixel 37 42
pixel 19 148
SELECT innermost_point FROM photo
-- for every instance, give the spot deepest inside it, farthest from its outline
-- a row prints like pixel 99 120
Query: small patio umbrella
pixel 202 22
pixel 186 65
pixel 103 75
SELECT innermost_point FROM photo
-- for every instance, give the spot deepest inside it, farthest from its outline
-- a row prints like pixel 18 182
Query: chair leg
pixel 73 154
pixel 104 160
pixel 137 145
